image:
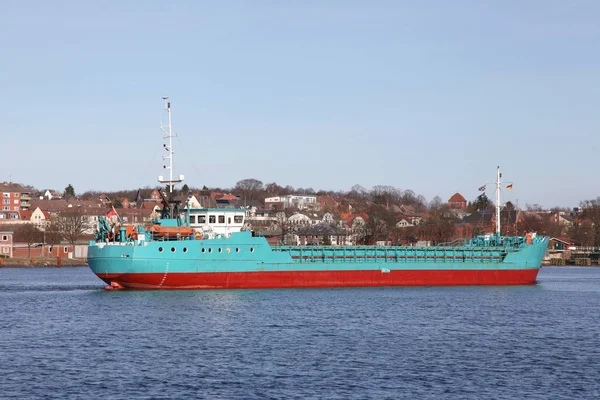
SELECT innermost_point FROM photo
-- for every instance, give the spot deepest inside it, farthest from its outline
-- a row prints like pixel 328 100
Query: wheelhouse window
pixel 192 219
pixel 212 219
pixel 221 219
pixel 238 219
pixel 201 219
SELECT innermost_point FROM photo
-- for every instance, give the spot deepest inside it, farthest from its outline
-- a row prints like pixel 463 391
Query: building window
pixel 5 208
pixel 5 201
pixel 5 194
pixel 221 219
pixel 201 219
pixel 4 238
pixel 16 194
pixel 15 201
pixel 65 249
pixel 238 219
pixel 5 250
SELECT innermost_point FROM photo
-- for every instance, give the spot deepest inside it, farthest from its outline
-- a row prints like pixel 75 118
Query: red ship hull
pixel 321 279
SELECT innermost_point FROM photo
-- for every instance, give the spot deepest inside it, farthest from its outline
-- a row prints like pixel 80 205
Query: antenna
pixel 168 134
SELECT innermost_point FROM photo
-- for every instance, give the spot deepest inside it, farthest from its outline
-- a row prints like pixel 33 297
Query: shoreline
pixel 42 262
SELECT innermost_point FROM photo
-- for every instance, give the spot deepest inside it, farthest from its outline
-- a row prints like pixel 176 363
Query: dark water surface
pixel 62 336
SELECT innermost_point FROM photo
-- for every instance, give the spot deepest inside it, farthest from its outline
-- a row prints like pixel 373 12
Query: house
pixel 15 197
pixel 40 219
pixel 25 215
pixel 55 206
pixel 561 244
pixel 563 219
pixel 52 194
pixel 323 233
pixel 155 196
pixel 6 244
pixel 327 202
pixel 457 201
pixel 42 250
pixel 403 223
pixel 10 217
pixel 299 202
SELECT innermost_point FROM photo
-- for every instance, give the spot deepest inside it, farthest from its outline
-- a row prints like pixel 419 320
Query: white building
pixel 292 201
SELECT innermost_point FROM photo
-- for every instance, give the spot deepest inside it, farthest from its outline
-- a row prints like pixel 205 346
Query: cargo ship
pixel 208 248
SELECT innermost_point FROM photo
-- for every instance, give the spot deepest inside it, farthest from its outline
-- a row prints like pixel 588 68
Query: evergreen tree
pixel 69 191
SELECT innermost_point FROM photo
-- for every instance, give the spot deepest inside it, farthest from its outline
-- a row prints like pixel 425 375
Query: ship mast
pixel 499 175
pixel 168 134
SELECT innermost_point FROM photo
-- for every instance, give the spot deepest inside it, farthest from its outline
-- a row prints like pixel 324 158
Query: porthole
pixel 251 249
pixel 160 249
pixel 220 249
pixel 210 250
pixel 185 249
pixel 172 249
pixel 237 249
pixel 203 249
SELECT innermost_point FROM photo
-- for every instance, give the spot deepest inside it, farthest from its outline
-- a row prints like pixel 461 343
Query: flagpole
pixel 498 203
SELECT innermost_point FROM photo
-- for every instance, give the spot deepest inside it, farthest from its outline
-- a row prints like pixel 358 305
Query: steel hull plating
pixel 312 279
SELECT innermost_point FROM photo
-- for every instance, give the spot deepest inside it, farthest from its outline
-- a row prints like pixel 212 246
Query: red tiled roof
pixel 457 197
pixel 228 196
pixel 25 215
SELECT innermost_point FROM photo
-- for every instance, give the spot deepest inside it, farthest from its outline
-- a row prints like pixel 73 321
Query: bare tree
pixel 72 225
pixel 29 234
pixel 379 223
pixel 435 204
pixel 283 223
pixel 591 212
pixel 51 235
pixel 249 188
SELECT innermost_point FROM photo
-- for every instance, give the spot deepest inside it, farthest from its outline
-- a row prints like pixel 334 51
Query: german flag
pixel 509 186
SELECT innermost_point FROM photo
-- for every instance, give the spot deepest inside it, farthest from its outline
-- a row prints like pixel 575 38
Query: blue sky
pixel 429 96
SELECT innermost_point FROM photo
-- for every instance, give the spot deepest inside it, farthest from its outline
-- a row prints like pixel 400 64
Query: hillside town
pixel 53 223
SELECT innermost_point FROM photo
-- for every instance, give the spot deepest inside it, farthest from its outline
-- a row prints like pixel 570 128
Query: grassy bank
pixel 38 262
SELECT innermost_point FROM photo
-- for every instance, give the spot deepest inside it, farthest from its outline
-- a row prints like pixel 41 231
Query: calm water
pixel 62 336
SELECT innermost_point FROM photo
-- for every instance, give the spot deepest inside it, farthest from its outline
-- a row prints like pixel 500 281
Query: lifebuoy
pixel 197 236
